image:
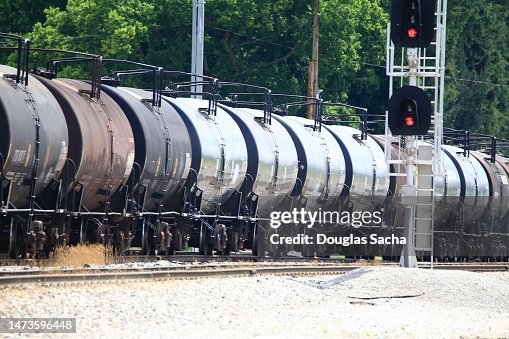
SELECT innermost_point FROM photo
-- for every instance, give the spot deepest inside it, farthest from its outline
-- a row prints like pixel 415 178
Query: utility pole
pixel 197 44
pixel 313 65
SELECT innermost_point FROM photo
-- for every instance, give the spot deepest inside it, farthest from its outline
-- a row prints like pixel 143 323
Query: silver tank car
pixel 498 185
pixel 21 110
pixel 219 154
pixel 321 162
pixel 367 173
pixel 272 158
pixel 162 144
pixel 474 184
pixel 101 142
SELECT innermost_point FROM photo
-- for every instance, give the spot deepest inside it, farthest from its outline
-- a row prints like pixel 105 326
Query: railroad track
pixel 477 267
pixel 16 278
pixel 84 275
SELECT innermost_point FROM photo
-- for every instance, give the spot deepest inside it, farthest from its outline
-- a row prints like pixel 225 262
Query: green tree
pixel 107 27
pixel 477 51
pixel 267 43
pixel 19 16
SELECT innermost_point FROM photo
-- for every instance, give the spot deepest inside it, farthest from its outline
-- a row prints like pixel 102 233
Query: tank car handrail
pixel 244 103
pixel 267 96
pixel 23 50
pixel 56 50
pixel 310 101
pixel 157 73
pixel 192 74
pixel 469 141
pixel 240 84
pixel 97 65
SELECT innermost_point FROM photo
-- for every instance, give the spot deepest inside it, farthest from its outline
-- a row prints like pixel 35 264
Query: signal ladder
pixel 429 76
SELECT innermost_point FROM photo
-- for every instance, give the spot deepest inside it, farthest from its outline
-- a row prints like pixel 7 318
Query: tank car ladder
pixel 425 201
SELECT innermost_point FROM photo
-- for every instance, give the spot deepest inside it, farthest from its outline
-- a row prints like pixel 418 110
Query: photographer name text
pixel 322 239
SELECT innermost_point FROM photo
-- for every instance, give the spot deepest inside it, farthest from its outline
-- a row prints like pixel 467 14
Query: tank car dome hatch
pixel 101 142
pixel 272 158
pixel 367 174
pixel 162 144
pixel 22 108
pixel 219 153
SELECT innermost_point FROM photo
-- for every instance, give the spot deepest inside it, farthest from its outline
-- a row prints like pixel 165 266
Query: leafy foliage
pixel 477 50
pixel 268 43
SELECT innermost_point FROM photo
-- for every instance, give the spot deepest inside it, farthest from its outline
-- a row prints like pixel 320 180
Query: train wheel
pixel 309 250
pixel 176 242
pixel 258 241
pixel 205 248
pixel 147 239
pixel 233 242
pixel 17 242
pixel 83 231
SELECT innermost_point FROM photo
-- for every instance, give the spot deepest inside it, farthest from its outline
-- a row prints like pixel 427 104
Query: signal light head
pixel 412 32
pixel 409 120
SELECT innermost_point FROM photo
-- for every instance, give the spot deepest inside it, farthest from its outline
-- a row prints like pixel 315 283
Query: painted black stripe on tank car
pixel 460 172
pixel 74 152
pixel 301 156
pixel 139 135
pixel 252 151
pixel 392 168
pixel 490 174
pixel 5 136
pixel 348 164
pixel 195 145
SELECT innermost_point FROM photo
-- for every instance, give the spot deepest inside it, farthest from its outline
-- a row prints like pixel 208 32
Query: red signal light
pixel 411 32
pixel 409 120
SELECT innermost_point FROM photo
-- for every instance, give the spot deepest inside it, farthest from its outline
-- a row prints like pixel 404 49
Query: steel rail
pixel 172 274
pixel 203 271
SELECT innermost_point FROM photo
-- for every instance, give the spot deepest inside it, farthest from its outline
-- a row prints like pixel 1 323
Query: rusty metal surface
pixel 20 109
pixel 101 141
pixel 163 146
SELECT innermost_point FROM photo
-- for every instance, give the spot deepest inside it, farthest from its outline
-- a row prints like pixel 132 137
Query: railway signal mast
pixel 415 65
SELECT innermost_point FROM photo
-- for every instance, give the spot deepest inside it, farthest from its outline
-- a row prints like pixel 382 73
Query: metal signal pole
pixel 419 76
pixel 197 44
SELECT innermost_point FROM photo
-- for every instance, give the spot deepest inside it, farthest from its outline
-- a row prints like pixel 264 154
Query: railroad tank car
pixel 101 142
pixel 367 174
pixel 32 130
pixel 335 168
pixel 272 159
pixel 162 146
pixel 219 154
pixel 465 195
pixel 206 164
pixel 312 177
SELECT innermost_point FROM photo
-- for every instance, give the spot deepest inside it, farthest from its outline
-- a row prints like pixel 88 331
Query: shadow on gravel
pixel 337 280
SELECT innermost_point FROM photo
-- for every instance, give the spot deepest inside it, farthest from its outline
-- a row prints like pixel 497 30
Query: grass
pixel 82 254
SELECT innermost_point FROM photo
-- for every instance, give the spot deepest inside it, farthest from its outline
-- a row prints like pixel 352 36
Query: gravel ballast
pixel 369 302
